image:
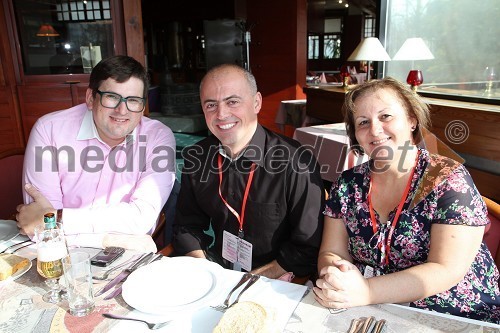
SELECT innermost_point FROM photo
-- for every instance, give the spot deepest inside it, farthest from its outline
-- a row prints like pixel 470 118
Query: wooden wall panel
pixel 486 183
pixel 78 92
pixel 482 129
pixel 277 52
pixel 11 134
pixel 134 36
pixel 38 100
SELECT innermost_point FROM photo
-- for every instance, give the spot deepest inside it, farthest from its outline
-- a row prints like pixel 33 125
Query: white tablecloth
pixel 310 316
pixel 22 310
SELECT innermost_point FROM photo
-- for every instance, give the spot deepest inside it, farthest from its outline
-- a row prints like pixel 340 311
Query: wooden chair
pixel 11 171
pixel 492 231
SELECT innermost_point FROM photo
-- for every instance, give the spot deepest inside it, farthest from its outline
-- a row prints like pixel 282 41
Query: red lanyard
pixel 241 219
pixel 396 217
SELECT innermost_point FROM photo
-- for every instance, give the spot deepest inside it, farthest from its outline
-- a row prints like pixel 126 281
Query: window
pixel 63 36
pixel 369 30
pixel 313 46
pixel 463 37
pixel 70 10
pixel 331 46
pixel 326 45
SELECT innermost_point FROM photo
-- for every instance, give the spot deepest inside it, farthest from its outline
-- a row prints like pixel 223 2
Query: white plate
pixel 19 273
pixel 8 230
pixel 169 286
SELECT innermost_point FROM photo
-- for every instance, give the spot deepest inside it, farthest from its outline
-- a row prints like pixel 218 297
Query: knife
pixel 118 290
pixel 14 245
pixel 126 272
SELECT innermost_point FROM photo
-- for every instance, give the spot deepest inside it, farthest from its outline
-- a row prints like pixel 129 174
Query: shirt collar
pixel 254 151
pixel 88 130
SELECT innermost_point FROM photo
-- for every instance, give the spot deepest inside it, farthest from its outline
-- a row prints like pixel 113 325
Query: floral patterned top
pixel 442 191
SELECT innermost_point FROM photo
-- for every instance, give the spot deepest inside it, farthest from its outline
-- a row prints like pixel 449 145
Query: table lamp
pixel 414 49
pixel 370 49
pixel 47 30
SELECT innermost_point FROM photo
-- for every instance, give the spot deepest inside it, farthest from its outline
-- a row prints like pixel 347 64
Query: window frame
pixel 116 8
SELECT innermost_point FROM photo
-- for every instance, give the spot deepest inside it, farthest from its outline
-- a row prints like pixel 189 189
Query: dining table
pixel 293 113
pixel 292 307
pixel 330 145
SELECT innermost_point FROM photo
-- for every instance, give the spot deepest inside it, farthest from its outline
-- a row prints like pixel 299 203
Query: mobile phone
pixel 107 256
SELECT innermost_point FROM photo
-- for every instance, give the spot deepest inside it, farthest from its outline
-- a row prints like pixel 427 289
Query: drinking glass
pixel 490 74
pixel 78 276
pixel 51 249
pixel 345 73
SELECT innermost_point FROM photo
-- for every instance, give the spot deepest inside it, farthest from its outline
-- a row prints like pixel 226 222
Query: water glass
pixel 78 277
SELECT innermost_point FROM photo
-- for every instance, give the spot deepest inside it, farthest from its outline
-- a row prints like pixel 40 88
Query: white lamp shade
pixel 413 49
pixel 370 49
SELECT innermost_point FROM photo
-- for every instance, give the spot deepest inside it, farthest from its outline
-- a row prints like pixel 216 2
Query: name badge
pixel 237 250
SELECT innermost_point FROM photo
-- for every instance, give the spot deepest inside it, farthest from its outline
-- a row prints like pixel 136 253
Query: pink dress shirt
pixel 103 190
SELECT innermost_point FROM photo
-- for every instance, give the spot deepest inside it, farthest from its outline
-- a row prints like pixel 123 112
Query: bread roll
pixel 244 317
pixel 11 263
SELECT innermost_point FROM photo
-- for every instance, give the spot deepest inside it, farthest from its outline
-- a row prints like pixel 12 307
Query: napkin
pixel 279 298
pixel 322 78
pixel 140 243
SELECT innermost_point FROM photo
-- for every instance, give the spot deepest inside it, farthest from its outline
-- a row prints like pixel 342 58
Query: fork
pixel 151 326
pixel 29 241
pixel 225 306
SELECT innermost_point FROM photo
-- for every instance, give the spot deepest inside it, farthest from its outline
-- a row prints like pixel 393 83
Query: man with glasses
pixel 100 166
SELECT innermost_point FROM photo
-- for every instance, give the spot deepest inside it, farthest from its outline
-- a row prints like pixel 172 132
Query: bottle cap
pixel 50 220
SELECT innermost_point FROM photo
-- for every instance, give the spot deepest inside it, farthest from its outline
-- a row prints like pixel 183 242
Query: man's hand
pixel 272 270
pixel 30 215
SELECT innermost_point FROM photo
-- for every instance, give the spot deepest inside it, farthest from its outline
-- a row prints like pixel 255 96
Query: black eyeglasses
pixel 112 100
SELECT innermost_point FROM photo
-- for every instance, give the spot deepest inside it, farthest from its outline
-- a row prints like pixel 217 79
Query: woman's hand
pixel 342 286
